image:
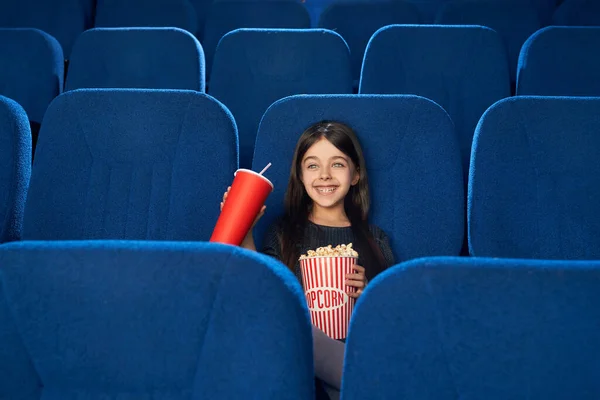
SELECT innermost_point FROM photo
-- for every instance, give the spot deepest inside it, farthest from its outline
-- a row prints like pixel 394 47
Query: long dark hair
pixel 298 205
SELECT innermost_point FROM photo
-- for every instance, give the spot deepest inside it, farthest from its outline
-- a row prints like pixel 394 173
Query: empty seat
pixel 469 328
pixel 577 13
pixel 32 66
pixel 356 22
pixel 412 160
pixel 147 320
pixel 15 168
pixel 18 377
pixel 64 20
pixel 146 13
pixel 535 179
pixel 226 16
pixel 464 70
pixel 561 61
pixel 514 20
pixel 130 164
pixel 149 58
pixel 254 68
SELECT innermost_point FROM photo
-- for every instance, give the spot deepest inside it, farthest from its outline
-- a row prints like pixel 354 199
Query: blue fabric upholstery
pixel 358 21
pixel 535 179
pixel 561 61
pixel 464 70
pixel 428 8
pixel 514 20
pixel 472 329
pixel 256 67
pixel 159 320
pixel 146 13
pixel 577 13
pixel 412 159
pixel 130 164
pixel 18 378
pixel 150 58
pixel 62 19
pixel 227 16
pixel 32 66
pixel 15 168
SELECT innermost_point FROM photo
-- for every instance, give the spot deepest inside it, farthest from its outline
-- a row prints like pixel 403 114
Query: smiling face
pixel 327 175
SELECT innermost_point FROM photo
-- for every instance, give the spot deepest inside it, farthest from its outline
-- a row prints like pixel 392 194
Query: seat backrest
pixel 156 169
pixel 535 179
pixel 226 16
pixel 412 160
pixel 158 320
pixel 147 58
pixel 473 328
pixel 15 168
pixel 464 70
pixel 32 66
pixel 256 67
pixel 514 20
pixel 64 20
pixel 577 13
pixel 560 61
pixel 146 13
pixel 358 21
pixel 18 378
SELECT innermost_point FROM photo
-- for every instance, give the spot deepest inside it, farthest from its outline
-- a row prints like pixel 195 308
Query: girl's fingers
pixel 359 269
pixel 356 284
pixel 357 277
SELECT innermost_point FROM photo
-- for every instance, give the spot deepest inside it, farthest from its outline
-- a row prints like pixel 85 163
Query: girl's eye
pixel 311 166
pixel 338 165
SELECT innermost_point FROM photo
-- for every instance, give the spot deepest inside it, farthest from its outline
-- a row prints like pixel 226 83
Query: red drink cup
pixel 246 197
pixel 330 306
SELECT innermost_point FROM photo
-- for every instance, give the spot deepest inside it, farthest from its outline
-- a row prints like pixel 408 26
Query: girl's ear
pixel 356 177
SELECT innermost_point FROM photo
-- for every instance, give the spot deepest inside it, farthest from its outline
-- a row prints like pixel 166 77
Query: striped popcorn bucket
pixel 329 304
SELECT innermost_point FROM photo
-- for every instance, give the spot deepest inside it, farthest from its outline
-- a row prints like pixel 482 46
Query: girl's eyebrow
pixel 310 157
pixel 343 158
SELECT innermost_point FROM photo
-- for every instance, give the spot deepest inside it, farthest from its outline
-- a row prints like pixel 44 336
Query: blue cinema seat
pixel 535 179
pixel 145 58
pixel 471 329
pixel 560 61
pixel 15 168
pixel 130 164
pixel 155 320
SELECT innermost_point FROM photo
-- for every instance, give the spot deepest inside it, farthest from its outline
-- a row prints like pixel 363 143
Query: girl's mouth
pixel 325 190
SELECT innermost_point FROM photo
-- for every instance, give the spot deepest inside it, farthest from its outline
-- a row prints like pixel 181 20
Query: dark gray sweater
pixel 328 353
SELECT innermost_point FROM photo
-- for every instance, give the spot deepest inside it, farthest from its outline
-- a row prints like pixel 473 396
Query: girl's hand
pixel 357 281
pixel 260 214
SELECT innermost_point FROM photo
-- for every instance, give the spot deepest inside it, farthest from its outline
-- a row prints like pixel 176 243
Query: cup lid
pixel 255 173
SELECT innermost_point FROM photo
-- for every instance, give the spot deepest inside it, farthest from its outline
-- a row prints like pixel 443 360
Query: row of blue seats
pixel 153 165
pixel 464 69
pixel 174 321
pixel 356 21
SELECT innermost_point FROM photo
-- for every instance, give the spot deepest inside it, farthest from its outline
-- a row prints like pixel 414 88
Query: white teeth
pixel 327 190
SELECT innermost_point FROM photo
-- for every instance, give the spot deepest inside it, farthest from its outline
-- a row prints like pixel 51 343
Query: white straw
pixel 265 168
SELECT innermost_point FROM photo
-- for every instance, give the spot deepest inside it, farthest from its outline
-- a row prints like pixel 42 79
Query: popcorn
pixel 341 250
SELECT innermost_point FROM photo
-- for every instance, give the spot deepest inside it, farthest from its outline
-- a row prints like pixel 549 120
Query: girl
pixel 327 202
